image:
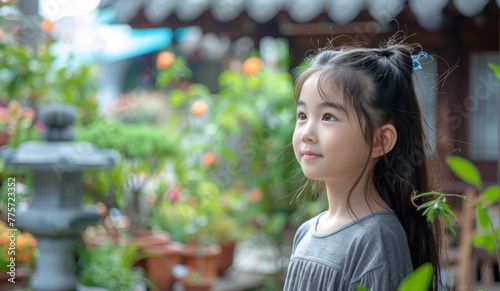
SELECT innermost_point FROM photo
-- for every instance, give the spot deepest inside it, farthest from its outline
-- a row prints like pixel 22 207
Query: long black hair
pixel 378 84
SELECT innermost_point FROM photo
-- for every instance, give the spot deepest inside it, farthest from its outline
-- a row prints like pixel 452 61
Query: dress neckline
pixel 347 225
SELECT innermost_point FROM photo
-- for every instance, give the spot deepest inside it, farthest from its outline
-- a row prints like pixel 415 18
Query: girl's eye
pixel 328 117
pixel 301 116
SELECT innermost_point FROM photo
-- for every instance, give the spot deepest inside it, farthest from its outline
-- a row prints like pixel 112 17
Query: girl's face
pixel 328 145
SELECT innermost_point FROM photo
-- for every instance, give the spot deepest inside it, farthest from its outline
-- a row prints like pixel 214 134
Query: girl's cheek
pixel 296 142
pixel 295 133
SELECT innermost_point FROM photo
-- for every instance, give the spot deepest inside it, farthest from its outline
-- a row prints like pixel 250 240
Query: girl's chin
pixel 320 175
pixel 312 175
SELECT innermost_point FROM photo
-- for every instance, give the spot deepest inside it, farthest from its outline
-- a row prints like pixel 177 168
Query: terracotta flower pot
pixel 226 257
pixel 159 262
pixel 22 279
pixel 147 238
pixel 4 138
pixel 204 259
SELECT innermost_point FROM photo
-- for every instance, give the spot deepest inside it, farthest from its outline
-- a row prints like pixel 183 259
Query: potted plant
pixel 159 263
pixel 230 222
pixel 186 222
pixel 110 267
pixel 226 232
pixel 25 254
pixel 201 252
pixel 145 150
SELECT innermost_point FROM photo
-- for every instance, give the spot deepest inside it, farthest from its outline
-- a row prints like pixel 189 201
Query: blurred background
pixel 195 97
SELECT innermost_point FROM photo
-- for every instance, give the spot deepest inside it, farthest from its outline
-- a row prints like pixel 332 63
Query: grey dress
pixel 372 251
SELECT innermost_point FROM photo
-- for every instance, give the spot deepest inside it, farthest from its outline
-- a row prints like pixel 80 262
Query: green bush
pixel 111 267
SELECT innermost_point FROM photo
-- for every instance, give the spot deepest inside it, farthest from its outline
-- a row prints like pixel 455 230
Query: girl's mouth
pixel 307 155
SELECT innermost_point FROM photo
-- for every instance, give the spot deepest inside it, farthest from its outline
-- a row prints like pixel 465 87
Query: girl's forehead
pixel 327 89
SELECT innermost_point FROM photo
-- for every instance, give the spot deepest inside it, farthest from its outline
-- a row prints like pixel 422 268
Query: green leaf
pixel 465 170
pixel 450 212
pixel 360 287
pixel 492 194
pixel 419 280
pixel 496 69
pixel 485 241
pixel 178 98
pixel 448 224
pixel 199 91
pixel 427 204
pixel 482 216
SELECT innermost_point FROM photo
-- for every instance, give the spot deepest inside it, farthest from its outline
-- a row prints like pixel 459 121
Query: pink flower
pixel 40 126
pixel 174 194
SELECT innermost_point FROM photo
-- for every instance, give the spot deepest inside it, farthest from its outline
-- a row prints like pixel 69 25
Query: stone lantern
pixel 55 215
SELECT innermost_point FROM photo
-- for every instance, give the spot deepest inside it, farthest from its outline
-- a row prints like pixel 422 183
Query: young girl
pixel 359 129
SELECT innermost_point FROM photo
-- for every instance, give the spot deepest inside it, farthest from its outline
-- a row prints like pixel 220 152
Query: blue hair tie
pixel 416 62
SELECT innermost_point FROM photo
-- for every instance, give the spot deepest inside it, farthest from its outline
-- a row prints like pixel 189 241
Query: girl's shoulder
pixel 381 222
pixel 381 231
pixel 379 216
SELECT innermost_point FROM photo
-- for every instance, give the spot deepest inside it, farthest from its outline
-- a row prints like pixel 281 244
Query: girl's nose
pixel 308 135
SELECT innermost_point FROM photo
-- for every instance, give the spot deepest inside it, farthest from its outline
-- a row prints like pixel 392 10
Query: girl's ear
pixel 384 140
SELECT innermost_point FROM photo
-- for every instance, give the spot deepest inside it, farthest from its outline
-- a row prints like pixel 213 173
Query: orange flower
pixel 20 242
pixel 209 159
pixel 199 108
pixel 29 239
pixel 252 66
pixel 2 33
pixel 47 26
pixel 256 195
pixel 24 256
pixel 25 247
pixel 165 60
